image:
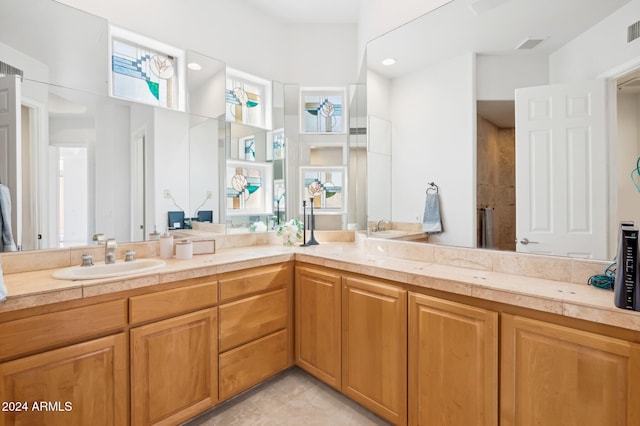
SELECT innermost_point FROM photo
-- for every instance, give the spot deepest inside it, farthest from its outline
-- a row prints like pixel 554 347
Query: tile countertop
pixel 28 289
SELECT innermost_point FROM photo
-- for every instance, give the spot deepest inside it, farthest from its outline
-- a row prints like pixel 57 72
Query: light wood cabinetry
pixel 257 316
pixel 174 364
pixel 256 326
pixel 81 384
pixel 250 364
pixel 41 332
pixel 556 375
pixel 453 363
pixel 374 346
pixel 168 303
pixel 318 313
pixel 174 372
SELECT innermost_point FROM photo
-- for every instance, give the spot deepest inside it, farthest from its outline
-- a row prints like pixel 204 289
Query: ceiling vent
pixel 633 32
pixel 6 69
pixel 529 43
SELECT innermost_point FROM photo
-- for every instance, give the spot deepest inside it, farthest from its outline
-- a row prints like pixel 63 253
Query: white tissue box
pixel 204 246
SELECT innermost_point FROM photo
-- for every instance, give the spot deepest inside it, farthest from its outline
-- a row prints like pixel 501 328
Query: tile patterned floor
pixel 291 398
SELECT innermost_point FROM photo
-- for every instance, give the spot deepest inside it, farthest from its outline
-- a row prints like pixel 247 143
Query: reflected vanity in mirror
pixel 445 105
pixel 98 164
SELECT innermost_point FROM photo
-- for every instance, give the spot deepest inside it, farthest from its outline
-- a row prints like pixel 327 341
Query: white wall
pixel 242 37
pixel 378 17
pixel 378 95
pixel 320 54
pixel 112 172
pixel 434 136
pixel 598 50
pixel 171 163
pixel 499 76
pixel 203 168
pixel 33 69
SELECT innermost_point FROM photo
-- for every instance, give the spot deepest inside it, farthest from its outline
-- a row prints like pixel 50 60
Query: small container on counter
pixel 184 250
pixel 166 246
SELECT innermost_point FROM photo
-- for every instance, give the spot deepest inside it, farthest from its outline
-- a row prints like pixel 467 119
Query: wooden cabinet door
pixel 174 368
pixel 555 375
pixel 82 384
pixel 317 324
pixel 374 347
pixel 453 363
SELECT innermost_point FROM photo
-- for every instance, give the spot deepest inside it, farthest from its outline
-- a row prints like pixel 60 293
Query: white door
pixel 10 138
pixel 561 170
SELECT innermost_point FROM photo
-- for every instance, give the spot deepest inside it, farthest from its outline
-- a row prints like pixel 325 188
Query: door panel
pixel 561 170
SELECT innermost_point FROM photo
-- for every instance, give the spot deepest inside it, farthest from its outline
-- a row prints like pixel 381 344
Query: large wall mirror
pixel 450 106
pixel 89 163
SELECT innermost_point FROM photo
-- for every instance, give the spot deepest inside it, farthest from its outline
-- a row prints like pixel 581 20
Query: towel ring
pixel 433 187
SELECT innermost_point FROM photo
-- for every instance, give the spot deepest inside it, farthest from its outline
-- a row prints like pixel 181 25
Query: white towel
pixel 3 287
pixel 432 223
pixel 6 240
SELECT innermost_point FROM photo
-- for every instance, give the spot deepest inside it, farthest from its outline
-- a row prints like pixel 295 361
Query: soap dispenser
pixel 166 245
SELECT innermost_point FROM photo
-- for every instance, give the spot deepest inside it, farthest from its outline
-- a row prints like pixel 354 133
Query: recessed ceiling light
pixel 194 66
pixel 388 61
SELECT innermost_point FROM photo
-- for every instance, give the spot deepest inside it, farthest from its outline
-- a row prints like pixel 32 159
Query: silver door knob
pixel 526 241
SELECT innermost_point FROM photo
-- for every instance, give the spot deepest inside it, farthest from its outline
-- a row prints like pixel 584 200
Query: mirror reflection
pixel 455 119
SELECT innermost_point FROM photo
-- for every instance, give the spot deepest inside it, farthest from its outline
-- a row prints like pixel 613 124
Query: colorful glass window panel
pixel 249 186
pixel 144 75
pixel 245 102
pixel 323 112
pixel 326 187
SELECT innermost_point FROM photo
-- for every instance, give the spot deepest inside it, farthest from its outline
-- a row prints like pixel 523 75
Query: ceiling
pixel 495 29
pixel 310 11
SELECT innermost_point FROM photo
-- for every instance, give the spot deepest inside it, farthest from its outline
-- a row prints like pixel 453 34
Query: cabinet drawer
pixel 171 302
pixel 44 331
pixel 251 318
pixel 245 283
pixel 247 365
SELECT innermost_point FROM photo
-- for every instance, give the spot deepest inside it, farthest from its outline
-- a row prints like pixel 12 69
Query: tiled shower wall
pixel 496 180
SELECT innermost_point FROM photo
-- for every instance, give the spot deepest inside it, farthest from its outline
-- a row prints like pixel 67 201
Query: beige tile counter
pixel 462 274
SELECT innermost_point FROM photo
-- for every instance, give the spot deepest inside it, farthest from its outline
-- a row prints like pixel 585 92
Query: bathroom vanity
pixel 417 333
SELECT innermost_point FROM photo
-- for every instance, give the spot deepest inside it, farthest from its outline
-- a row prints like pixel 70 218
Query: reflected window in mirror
pixel 247 146
pixel 248 99
pixel 249 188
pixel 279 200
pixel 326 186
pixel 323 110
pixel 277 145
pixel 146 70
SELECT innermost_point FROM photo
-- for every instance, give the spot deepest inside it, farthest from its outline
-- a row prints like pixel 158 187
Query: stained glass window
pixel 248 99
pixel 323 110
pixel 141 70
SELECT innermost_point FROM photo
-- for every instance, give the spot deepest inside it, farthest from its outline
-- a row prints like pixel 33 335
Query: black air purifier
pixel 627 270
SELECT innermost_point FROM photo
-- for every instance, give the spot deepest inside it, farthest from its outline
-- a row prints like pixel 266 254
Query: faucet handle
pixel 129 255
pixel 87 259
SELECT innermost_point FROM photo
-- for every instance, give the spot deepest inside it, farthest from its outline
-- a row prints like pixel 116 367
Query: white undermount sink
pixel 102 270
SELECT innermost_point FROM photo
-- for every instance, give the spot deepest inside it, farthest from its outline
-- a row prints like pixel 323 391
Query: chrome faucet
pixel 110 251
pixel 380 225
